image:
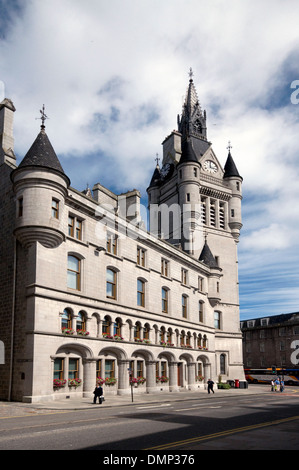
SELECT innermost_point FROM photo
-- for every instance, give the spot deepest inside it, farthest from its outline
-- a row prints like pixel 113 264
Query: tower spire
pixel 193 120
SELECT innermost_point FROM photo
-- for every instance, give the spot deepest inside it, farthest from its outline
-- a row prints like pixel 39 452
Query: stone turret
pixel 234 182
pixel 40 185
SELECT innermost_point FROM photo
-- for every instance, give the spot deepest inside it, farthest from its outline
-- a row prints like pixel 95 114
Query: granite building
pixel 271 341
pixel 89 293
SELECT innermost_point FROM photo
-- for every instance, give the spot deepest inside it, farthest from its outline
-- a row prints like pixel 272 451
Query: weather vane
pixel 157 159
pixel 229 146
pixel 191 73
pixel 43 116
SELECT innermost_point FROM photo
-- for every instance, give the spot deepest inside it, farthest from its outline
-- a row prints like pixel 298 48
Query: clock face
pixel 210 166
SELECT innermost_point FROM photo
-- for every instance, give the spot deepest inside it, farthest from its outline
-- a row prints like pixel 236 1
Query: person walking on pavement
pixel 210 386
pixel 282 385
pixel 272 385
pixel 98 392
pixel 276 384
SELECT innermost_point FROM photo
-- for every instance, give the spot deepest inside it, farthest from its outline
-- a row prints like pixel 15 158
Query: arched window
pixel 111 283
pixel 140 293
pixel 81 321
pixel 146 331
pixel 164 300
pixel 117 327
pixel 200 311
pixel 106 326
pixel 66 319
pixel 73 272
pixel 137 330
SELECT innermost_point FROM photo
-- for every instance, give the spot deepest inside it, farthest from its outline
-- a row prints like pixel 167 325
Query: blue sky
pixel 113 76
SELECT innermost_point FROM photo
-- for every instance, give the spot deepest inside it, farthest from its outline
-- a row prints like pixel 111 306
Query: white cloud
pixel 113 75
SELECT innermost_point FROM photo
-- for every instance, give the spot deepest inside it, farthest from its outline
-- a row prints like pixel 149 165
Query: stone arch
pixel 75 348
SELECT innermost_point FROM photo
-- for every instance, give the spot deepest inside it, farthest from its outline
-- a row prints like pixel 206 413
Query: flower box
pixel 74 382
pixel 137 380
pixel 82 333
pixel 162 379
pixel 67 331
pixel 59 383
pixel 118 338
pixel 110 381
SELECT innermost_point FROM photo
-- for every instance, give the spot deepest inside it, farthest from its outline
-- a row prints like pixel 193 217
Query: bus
pixel 255 376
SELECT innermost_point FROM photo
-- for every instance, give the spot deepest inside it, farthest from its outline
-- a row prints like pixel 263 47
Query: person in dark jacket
pixel 210 386
pixel 98 392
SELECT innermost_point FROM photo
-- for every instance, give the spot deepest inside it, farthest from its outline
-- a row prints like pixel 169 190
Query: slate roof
pixel 42 154
pixel 188 153
pixel 207 258
pixel 230 168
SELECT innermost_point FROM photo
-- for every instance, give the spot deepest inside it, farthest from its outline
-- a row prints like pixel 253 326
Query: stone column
pixel 173 376
pixel 151 385
pixel 123 377
pixel 89 376
pixel 191 375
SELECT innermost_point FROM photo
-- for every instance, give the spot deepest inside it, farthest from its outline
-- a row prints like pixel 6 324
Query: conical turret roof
pixel 230 168
pixel 42 154
pixel 207 258
pixel 188 154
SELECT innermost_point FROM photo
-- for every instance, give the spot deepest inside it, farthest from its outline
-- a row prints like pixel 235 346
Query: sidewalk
pixel 13 409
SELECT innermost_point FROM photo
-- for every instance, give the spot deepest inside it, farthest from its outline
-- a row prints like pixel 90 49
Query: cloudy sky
pixel 113 76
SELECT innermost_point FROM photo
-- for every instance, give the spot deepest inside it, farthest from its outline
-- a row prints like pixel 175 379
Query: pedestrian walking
pixel 272 385
pixel 282 385
pixel 98 392
pixel 210 386
pixel 276 384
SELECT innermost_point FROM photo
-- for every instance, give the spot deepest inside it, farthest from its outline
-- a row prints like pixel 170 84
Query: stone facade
pixel 88 293
pixel 271 341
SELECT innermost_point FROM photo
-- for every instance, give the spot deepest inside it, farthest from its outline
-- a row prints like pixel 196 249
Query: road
pixel 266 421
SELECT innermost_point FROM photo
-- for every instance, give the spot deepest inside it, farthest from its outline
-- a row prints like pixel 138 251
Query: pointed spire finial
pixel 157 159
pixel 229 147
pixel 191 74
pixel 43 117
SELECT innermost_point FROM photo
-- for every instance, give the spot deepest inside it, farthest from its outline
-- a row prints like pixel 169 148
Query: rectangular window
pixel 164 267
pixel 140 369
pixel 73 272
pixel 163 368
pixel 140 257
pixel 74 227
pixel 20 207
pixel 184 306
pixel 73 368
pixel 217 324
pixel 164 300
pixel 200 312
pixel 184 276
pixel 58 369
pixel 55 208
pixel 140 292
pixel 111 284
pixel 109 368
pixel 111 243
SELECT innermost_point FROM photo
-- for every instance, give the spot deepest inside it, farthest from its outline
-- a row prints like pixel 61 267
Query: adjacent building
pixel 89 293
pixel 271 341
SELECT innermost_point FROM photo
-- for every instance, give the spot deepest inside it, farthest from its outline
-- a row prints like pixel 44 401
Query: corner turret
pixel 40 185
pixel 234 181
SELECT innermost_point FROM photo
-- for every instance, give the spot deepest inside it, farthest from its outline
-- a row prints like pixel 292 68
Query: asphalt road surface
pixel 257 422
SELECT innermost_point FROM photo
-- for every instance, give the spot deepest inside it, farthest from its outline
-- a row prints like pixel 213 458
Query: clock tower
pixel 194 201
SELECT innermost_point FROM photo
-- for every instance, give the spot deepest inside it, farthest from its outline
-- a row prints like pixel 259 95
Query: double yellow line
pixel 221 434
